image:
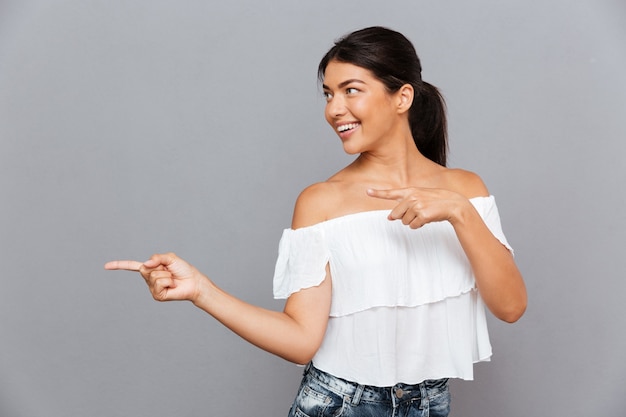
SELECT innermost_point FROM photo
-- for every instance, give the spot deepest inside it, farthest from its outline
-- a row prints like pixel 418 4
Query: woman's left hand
pixel 419 206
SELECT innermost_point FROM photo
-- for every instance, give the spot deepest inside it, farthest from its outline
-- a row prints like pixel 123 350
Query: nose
pixel 335 107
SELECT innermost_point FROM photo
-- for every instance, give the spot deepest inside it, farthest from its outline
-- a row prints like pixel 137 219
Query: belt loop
pixel 307 367
pixel 357 395
pixel 425 400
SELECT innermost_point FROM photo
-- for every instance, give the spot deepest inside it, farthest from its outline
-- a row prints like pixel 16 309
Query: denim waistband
pixel 392 394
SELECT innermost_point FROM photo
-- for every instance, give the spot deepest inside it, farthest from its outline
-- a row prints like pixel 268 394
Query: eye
pixel 327 95
pixel 351 90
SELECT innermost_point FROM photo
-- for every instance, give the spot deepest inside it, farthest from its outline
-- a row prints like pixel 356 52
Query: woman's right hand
pixel 168 276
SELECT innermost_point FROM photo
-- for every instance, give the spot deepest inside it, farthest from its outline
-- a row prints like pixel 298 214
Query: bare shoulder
pixel 313 203
pixel 465 183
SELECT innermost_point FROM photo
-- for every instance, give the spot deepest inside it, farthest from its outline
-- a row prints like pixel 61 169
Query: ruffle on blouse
pixel 375 262
pixel 386 345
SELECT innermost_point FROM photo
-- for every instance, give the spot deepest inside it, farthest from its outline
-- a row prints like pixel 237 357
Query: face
pixel 359 108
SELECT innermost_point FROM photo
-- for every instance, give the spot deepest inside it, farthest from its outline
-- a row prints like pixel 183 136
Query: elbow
pixel 299 358
pixel 511 317
pixel 300 354
pixel 513 312
pixel 512 304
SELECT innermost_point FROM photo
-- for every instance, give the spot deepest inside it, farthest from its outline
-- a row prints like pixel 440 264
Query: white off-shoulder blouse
pixel 404 307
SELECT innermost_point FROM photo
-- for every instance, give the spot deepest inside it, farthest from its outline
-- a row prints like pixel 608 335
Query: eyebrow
pixel 344 83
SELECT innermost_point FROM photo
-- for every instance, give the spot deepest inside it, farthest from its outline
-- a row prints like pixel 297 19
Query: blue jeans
pixel 323 395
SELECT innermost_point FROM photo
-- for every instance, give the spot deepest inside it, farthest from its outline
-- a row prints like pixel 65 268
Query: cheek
pixel 366 111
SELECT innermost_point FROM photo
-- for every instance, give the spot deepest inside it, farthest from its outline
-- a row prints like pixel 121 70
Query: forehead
pixel 339 72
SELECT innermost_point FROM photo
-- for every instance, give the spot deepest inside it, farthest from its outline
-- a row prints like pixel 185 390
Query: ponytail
pixel 427 119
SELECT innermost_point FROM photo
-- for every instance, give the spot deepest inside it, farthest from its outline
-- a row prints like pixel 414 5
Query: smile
pixel 347 126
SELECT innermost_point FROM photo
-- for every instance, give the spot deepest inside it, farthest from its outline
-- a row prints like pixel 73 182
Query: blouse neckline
pixel 369 213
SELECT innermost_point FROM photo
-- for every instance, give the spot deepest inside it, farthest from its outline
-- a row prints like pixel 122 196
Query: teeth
pixel 348 126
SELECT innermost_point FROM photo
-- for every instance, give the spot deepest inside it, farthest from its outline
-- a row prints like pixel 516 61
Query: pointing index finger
pixel 124 265
pixel 395 194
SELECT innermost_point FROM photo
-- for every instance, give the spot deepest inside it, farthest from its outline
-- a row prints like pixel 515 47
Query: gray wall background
pixel 131 127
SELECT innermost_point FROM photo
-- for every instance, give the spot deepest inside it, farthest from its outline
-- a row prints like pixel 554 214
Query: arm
pixel 497 277
pixel 294 334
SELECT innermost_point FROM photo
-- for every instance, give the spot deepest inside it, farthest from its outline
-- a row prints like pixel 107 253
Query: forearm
pixel 498 279
pixel 276 332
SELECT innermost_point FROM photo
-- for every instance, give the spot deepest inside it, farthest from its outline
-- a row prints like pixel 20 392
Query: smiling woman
pixel 388 264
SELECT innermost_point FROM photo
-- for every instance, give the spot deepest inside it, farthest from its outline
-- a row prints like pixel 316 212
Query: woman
pixel 387 265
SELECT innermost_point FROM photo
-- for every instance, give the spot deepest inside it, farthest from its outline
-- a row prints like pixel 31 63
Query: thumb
pixel 165 259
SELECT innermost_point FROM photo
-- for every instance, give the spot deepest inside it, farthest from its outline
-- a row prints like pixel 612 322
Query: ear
pixel 405 98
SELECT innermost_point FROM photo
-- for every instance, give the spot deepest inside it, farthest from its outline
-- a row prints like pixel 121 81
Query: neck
pixel 398 163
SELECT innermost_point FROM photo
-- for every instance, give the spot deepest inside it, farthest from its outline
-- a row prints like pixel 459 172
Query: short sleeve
pixel 302 258
pixel 488 210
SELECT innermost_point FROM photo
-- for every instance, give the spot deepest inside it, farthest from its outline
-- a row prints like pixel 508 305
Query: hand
pixel 419 206
pixel 168 276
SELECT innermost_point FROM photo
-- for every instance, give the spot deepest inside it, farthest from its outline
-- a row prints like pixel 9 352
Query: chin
pixel 350 150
